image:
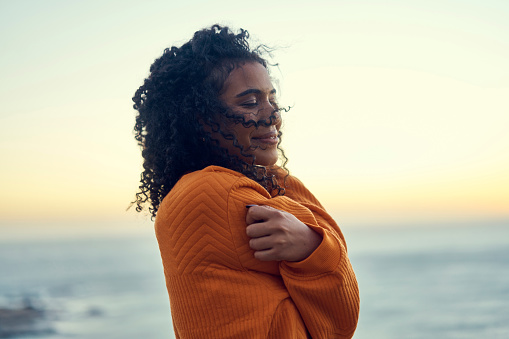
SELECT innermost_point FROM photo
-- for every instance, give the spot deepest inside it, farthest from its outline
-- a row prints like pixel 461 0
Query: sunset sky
pixel 400 108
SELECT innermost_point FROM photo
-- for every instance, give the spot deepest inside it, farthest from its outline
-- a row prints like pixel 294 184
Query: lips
pixel 270 138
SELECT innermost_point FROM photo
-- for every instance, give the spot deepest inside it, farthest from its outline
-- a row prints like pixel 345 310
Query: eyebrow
pixel 253 90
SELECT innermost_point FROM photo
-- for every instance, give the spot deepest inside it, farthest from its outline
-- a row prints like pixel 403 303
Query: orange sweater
pixel 218 289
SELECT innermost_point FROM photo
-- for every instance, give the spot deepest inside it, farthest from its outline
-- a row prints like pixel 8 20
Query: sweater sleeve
pixel 323 286
pixel 211 294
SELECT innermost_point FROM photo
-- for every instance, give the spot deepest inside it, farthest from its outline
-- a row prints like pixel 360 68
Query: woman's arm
pixel 218 288
pixel 279 235
pixel 322 284
pixel 212 293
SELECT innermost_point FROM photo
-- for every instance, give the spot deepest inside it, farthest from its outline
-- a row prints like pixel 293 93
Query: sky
pixel 399 108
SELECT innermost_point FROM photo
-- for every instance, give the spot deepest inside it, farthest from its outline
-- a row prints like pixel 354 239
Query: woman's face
pixel 249 91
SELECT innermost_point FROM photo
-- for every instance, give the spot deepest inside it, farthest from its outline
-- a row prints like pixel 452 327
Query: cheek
pixel 242 134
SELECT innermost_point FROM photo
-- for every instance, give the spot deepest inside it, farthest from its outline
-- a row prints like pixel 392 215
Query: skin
pixel 275 234
pixel 279 235
pixel 248 90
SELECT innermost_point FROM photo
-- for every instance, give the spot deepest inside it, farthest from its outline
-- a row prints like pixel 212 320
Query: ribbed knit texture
pixel 218 289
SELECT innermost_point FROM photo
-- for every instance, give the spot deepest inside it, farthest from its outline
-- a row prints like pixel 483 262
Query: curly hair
pixel 179 108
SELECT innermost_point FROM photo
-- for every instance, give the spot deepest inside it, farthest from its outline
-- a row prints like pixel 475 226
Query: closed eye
pixel 249 104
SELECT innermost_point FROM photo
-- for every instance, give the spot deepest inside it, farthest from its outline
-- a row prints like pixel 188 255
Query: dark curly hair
pixel 179 108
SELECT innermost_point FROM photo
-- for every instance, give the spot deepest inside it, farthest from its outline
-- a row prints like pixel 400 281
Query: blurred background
pixel 398 125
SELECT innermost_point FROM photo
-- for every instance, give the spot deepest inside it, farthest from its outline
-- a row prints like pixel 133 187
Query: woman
pixel 247 250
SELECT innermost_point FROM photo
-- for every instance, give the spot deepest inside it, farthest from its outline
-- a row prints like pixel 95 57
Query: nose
pixel 269 112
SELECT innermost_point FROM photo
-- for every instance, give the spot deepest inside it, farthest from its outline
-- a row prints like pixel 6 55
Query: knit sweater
pixel 218 289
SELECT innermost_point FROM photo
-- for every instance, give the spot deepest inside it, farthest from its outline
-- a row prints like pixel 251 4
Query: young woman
pixel 247 250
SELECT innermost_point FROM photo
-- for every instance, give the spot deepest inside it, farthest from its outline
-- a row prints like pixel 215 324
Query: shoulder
pixel 297 191
pixel 210 178
pixel 210 186
pixel 211 182
pixel 192 224
pixel 293 182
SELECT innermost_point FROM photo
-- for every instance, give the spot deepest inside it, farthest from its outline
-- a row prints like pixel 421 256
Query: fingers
pixel 260 244
pixel 259 220
pixel 277 235
pixel 267 255
pixel 257 213
pixel 264 249
pixel 259 229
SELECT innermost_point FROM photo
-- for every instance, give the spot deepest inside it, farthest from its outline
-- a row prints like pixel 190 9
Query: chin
pixel 266 160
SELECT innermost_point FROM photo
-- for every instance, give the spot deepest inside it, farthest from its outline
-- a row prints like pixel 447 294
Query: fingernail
pixel 248 206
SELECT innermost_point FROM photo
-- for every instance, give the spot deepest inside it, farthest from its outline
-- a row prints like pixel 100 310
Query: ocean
pixel 416 283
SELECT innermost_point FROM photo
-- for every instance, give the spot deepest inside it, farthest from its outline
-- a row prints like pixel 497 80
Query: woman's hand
pixel 278 235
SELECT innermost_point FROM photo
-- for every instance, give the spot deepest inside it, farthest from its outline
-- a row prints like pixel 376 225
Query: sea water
pixel 433 282
pixel 415 283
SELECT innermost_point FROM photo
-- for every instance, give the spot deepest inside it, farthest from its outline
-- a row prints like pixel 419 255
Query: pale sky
pixel 400 108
